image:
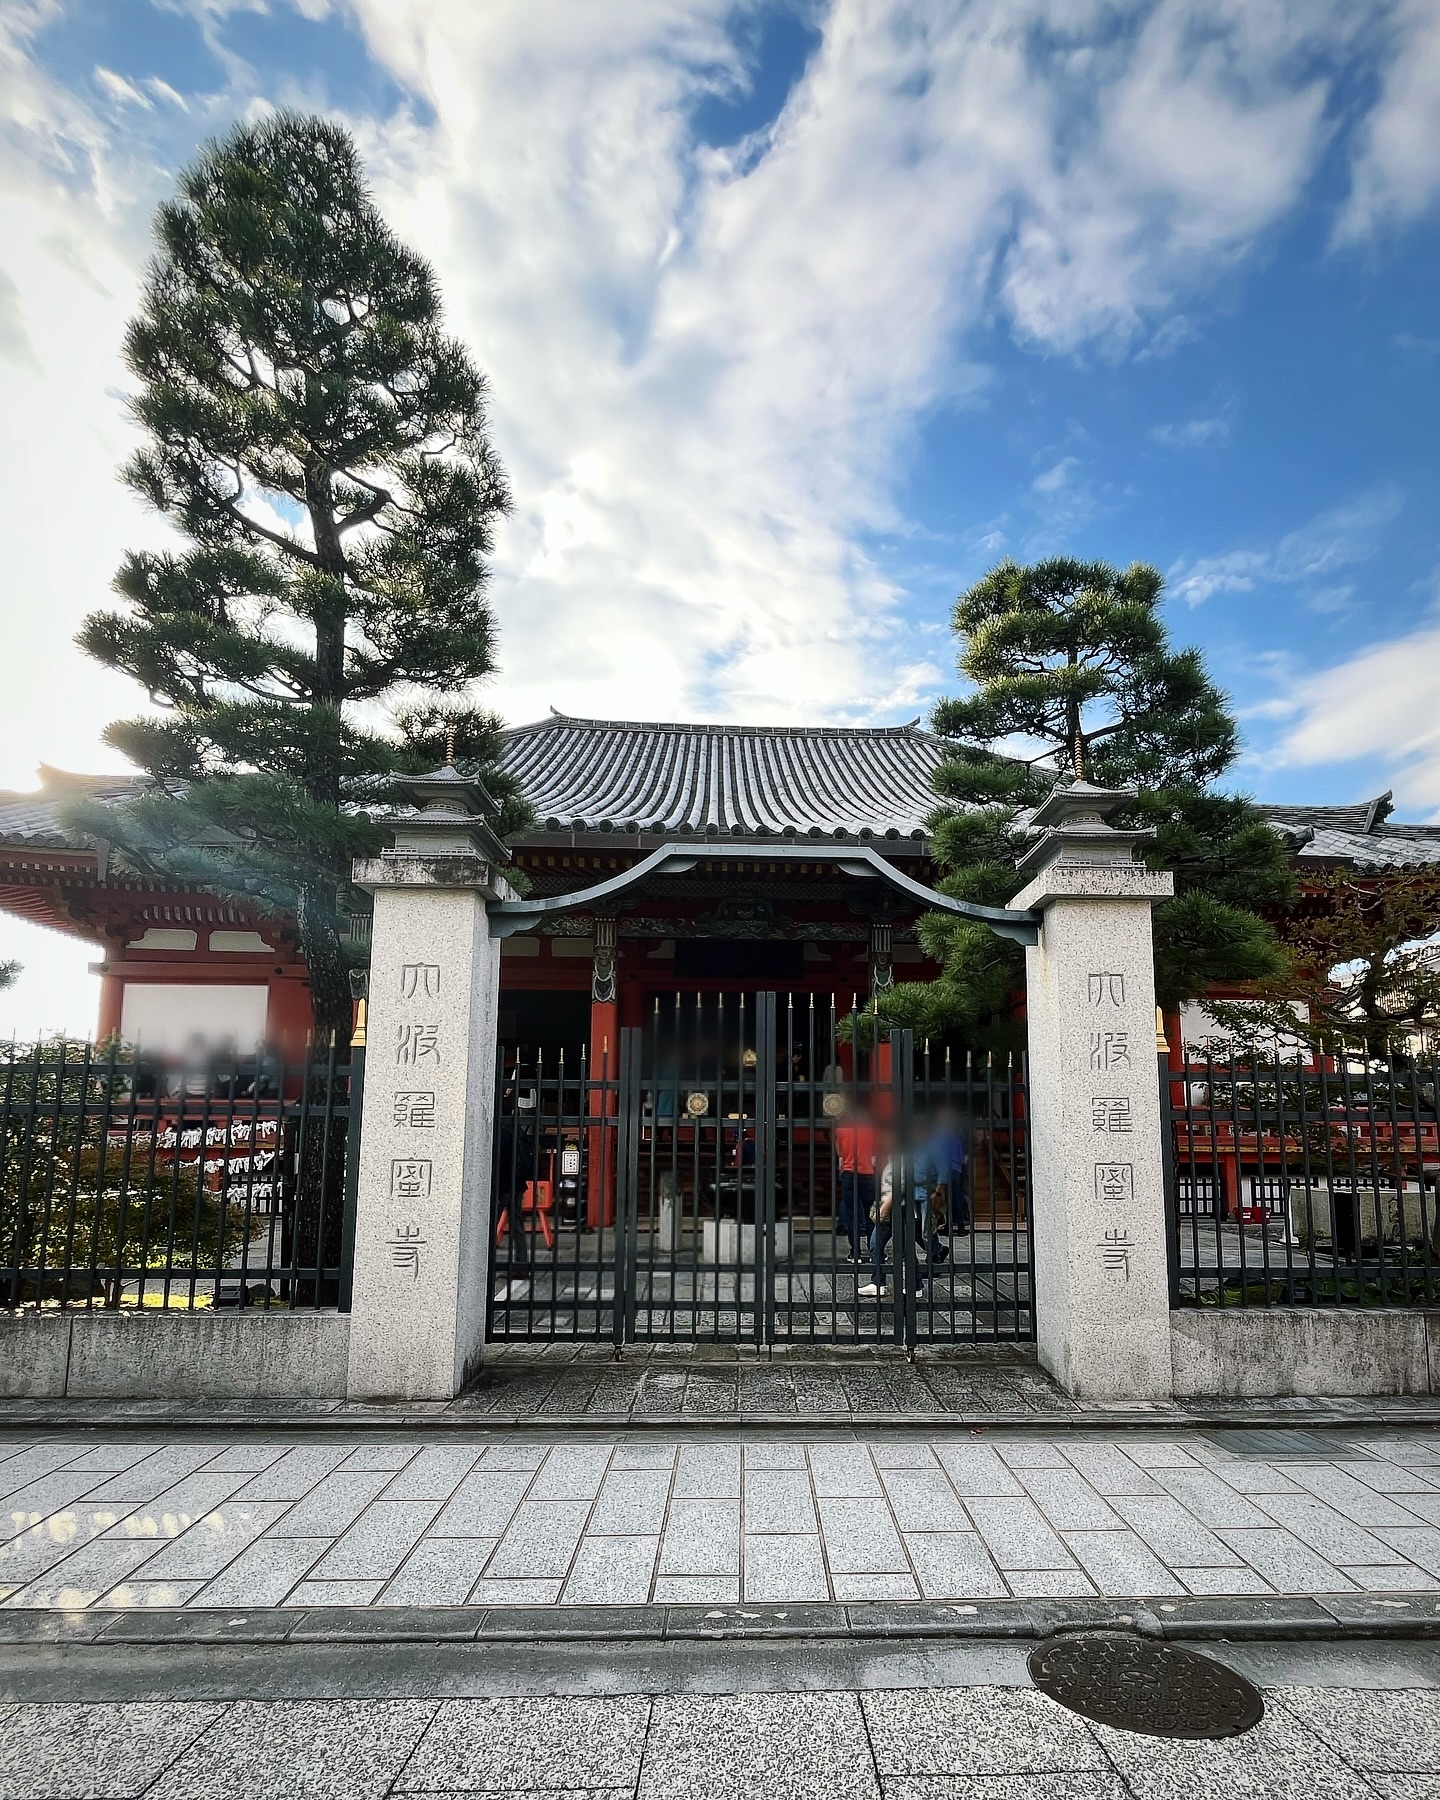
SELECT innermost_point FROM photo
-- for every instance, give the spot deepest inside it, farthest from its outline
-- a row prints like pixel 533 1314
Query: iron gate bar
pixel 720 1220
pixel 94 1216
pixel 1308 1146
pixel 627 1155
pixel 765 1171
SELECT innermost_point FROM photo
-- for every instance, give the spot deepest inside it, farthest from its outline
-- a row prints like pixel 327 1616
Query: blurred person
pixel 892 1168
pixel 855 1146
pixel 944 1159
pixel 192 1079
pixel 515 1166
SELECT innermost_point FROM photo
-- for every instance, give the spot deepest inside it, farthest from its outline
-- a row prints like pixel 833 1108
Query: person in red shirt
pixel 855 1152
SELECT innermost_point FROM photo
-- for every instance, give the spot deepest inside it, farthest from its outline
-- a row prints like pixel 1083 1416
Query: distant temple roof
pixel 34 819
pixel 1360 835
pixel 741 780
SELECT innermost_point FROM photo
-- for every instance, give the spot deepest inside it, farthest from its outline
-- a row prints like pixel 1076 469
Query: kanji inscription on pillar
pixel 410 1178
pixel 415 1109
pixel 421 979
pixel 1115 1248
pixel 1109 1050
pixel 417 1044
pixel 1105 987
pixel 1110 1113
pixel 1115 1183
pixel 406 1243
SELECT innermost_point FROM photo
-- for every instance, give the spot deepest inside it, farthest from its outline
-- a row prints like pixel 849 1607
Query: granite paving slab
pixel 1279 1759
pixel 322 1749
pixel 85 1752
pixel 806 1746
pixel 874 1739
pixel 517 1746
pixel 511 1518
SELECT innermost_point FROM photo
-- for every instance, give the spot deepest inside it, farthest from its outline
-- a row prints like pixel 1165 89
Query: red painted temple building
pixel 605 795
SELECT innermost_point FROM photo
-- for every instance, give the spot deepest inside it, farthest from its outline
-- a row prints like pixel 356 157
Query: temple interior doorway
pixel 541 1024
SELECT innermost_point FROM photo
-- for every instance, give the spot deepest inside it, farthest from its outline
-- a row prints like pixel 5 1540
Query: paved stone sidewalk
pixel 513 1520
pixel 979 1743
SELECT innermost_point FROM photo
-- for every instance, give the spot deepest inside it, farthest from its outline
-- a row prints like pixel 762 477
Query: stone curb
pixel 1329 1617
pixel 190 1419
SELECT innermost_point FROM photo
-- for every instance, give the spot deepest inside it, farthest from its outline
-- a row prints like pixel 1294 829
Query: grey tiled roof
pixel 589 774
pixel 742 780
pixel 35 818
pixel 1361 835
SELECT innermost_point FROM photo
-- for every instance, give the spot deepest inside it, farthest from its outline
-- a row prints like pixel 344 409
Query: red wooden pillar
pixel 1175 1058
pixel 1233 1196
pixel 1174 1042
pixel 843 1006
pixel 112 999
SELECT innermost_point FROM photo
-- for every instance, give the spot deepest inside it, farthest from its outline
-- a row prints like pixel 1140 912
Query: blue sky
pixel 801 313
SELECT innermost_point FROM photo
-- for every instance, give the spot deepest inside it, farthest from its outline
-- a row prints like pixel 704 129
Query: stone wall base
pixel 1259 1353
pixel 174 1356
pixel 1249 1354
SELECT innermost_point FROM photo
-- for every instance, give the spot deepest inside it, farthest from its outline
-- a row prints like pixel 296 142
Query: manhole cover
pixel 1140 1685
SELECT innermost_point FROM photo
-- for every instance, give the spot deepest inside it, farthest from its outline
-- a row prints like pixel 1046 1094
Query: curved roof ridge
pixel 911 728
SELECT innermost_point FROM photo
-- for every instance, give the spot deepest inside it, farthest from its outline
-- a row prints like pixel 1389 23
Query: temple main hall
pixel 606 793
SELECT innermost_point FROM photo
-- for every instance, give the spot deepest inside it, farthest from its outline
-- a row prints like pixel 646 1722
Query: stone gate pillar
pixel 422 1250
pixel 1097 1223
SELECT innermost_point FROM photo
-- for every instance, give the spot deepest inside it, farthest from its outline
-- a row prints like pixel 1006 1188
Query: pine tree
pixel 1071 663
pixel 322 445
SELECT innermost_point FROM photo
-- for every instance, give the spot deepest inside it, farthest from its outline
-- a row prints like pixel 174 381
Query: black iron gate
pixel 722 1172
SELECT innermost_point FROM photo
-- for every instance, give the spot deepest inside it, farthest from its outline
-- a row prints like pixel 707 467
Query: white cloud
pixel 1193 434
pixel 736 344
pixel 1334 539
pixel 1383 703
pixel 1058 476
pixel 1204 135
pixel 162 90
pixel 74 199
pixel 1396 176
pixel 118 88
pixel 15 345
pixel 1236 572
pixel 1333 601
pixel 710 443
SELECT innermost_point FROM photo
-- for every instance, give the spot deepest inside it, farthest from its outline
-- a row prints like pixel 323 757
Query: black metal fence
pixel 125 1183
pixel 1296 1186
pixel 719 1175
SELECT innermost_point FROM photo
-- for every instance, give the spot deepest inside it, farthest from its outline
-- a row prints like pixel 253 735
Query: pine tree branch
pixel 253 530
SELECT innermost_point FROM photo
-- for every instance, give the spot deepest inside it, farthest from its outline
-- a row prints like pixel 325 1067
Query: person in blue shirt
pixel 945 1158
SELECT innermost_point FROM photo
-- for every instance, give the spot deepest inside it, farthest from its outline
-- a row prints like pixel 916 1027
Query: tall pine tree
pixel 322 445
pixel 1074 679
